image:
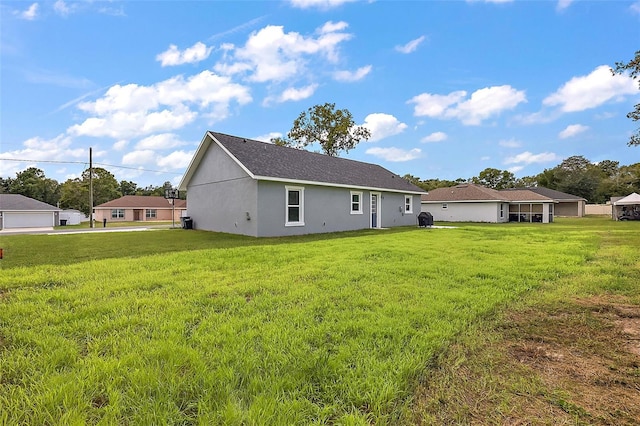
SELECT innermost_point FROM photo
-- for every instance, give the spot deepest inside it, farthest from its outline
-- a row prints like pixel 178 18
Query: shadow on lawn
pixel 33 250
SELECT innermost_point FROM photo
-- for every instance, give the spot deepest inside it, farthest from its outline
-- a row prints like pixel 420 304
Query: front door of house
pixel 374 210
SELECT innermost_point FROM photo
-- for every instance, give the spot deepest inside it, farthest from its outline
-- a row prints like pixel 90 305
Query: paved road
pixel 61 231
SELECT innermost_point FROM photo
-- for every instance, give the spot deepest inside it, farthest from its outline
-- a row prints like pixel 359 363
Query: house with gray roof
pixel 468 202
pixel 244 186
pixel 18 211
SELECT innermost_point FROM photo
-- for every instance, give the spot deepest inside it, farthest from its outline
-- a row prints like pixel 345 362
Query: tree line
pixel 576 175
pixel 74 193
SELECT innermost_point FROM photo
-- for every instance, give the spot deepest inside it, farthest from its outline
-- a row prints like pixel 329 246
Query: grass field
pixel 190 327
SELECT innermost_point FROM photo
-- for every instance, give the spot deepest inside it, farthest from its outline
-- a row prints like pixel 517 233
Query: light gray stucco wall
pixel 220 194
pixel 465 212
pixel 327 209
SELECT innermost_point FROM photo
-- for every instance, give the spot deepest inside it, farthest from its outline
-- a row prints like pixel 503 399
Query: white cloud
pixel 293 94
pixel 591 91
pixel 320 4
pixel 411 46
pixel 120 145
pixel 350 76
pixel 515 169
pixel 136 158
pixel 510 143
pixel 175 160
pixel 530 158
pixel 395 154
pixel 563 4
pixel 434 137
pixel 191 55
pixel 267 137
pixel 40 149
pixel 131 110
pixel 61 8
pixel 160 141
pixel 572 130
pixel 483 104
pixel 271 55
pixel 382 126
pixel 30 14
pixel 635 7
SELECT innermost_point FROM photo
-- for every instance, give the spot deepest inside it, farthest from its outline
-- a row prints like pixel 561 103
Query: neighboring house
pixel 565 204
pixel 18 211
pixel 139 208
pixel 243 186
pixel 469 202
pixel 626 208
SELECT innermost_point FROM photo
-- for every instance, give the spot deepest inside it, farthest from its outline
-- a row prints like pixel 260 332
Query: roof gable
pixel 630 199
pixel 17 202
pixel 266 161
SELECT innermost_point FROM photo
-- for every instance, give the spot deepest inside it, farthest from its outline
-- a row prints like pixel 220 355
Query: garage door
pixel 28 220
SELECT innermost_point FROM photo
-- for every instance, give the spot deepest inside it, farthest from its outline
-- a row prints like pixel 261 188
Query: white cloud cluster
pixel 434 137
pixel 410 46
pixel 591 91
pixel 191 55
pixel 510 143
pixel 530 158
pixel 483 104
pixel 382 126
pixel 271 55
pixel 131 110
pixel 572 130
pixel 563 4
pixel 30 14
pixel 320 4
pixel 351 76
pixel 395 155
pixel 175 160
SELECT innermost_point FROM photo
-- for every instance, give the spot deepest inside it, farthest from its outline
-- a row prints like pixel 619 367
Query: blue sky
pixel 447 88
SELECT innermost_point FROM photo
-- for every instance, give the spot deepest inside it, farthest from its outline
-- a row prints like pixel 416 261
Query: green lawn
pixel 191 327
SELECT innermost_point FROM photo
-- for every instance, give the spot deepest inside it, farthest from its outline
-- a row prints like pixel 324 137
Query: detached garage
pixel 18 211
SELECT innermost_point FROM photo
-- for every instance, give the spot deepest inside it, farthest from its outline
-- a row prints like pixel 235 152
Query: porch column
pixel 545 213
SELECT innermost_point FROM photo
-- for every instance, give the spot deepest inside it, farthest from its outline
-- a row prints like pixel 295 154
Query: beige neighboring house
pixel 133 208
pixel 469 202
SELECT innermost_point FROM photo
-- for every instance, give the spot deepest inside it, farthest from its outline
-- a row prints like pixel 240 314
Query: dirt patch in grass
pixel 575 363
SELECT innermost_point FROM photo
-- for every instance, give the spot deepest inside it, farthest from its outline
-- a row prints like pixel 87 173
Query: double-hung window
pixel 117 213
pixel 408 204
pixel 294 208
pixel 151 213
pixel 356 202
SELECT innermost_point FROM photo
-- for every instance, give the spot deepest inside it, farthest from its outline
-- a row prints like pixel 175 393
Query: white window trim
pixel 286 205
pixel 410 204
pixel 359 194
pixel 151 213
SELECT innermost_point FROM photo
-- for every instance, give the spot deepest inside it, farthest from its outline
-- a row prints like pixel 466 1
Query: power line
pixel 84 162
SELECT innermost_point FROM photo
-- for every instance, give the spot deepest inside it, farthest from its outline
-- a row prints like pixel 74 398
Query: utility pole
pixel 90 187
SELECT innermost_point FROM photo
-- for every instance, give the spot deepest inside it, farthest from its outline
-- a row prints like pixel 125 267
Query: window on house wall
pixel 408 204
pixel 356 202
pixel 445 206
pixel 117 213
pixel 501 211
pixel 295 206
pixel 151 213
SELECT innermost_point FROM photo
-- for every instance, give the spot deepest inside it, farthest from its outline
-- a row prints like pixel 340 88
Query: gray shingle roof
pixel 464 192
pixel 551 193
pixel 266 160
pixel 17 202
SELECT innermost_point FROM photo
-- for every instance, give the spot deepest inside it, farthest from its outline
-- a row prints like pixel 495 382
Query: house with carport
pixel 468 202
pixel 243 186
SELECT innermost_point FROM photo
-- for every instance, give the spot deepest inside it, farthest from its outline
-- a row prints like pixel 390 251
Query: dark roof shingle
pixel 17 202
pixel 268 160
